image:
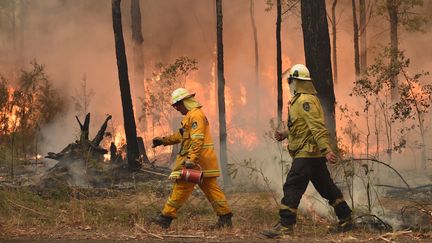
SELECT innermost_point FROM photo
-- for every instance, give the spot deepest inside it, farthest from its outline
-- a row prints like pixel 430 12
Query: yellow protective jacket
pixel 307 134
pixel 196 144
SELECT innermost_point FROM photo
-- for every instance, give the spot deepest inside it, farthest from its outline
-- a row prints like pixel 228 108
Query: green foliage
pixel 350 129
pixel 414 95
pixel 166 78
pixel 287 5
pixel 24 109
pixel 408 18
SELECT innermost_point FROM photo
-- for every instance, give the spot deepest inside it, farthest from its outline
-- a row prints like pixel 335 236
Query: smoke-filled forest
pixel 89 109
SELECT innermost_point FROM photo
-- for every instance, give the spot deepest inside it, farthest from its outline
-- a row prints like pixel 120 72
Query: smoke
pixel 75 37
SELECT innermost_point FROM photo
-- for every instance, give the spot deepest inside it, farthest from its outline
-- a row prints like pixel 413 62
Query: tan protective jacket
pixel 196 144
pixel 307 134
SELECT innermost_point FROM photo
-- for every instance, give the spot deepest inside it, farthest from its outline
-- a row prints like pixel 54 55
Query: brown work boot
pixel 224 221
pixel 279 231
pixel 343 226
pixel 163 221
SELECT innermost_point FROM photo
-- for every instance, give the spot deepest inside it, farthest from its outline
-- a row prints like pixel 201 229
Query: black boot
pixel 224 221
pixel 344 225
pixel 163 221
pixel 279 231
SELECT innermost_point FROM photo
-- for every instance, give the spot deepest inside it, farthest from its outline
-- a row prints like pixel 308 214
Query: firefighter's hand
pixel 189 164
pixel 279 136
pixel 173 178
pixel 331 157
pixel 157 141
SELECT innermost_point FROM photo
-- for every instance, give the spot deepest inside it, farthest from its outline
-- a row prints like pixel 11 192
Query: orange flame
pixel 13 120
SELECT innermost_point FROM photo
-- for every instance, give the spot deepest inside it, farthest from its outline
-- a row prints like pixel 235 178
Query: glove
pixel 173 178
pixel 157 141
pixel 189 164
pixel 331 157
pixel 279 136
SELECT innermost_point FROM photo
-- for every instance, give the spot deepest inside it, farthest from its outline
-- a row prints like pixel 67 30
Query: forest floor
pixel 89 215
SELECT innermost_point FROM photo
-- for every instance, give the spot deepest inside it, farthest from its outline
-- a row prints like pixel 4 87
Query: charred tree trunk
pixel 255 37
pixel 356 40
pixel 128 114
pixel 99 136
pixel 363 41
pixel 84 127
pixel 82 148
pixel 334 46
pixel 392 8
pixel 138 40
pixel 221 97
pixel 334 49
pixel 279 62
pixel 317 51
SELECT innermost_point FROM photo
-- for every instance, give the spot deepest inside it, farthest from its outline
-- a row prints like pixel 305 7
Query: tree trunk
pixel 221 97
pixel 255 37
pixel 138 40
pixel 333 13
pixel 317 51
pixel 392 8
pixel 99 136
pixel 356 40
pixel 84 128
pixel 363 41
pixel 128 114
pixel 279 62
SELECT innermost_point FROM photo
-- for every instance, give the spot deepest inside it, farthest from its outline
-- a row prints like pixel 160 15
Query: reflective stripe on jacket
pixel 196 144
pixel 307 134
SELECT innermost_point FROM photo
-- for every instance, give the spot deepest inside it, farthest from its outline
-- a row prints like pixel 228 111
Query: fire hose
pixel 155 173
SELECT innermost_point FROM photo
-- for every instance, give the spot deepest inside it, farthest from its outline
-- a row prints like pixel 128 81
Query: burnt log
pixel 84 147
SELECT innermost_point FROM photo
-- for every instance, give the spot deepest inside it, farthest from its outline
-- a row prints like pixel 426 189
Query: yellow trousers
pixel 182 190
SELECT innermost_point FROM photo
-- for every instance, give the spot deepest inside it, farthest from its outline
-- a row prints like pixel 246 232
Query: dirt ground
pixel 88 215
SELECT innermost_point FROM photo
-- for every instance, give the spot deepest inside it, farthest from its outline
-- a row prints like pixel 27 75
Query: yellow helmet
pixel 180 94
pixel 299 71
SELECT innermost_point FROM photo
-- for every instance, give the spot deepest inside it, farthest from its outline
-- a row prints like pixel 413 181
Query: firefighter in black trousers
pixel 309 146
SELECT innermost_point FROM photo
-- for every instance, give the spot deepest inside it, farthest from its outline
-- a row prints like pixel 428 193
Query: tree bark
pixel 317 51
pixel 334 49
pixel 221 97
pixel 84 135
pixel 255 37
pixel 279 62
pixel 356 40
pixel 128 114
pixel 138 40
pixel 138 57
pixel 99 136
pixel 392 8
pixel 363 41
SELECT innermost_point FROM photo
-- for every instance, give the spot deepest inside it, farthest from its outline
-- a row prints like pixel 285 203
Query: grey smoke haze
pixel 73 37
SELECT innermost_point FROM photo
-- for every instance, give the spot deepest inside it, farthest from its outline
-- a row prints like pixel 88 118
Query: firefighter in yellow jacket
pixel 196 151
pixel 309 146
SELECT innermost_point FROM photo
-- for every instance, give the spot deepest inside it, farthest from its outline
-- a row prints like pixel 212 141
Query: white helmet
pixel 299 71
pixel 180 94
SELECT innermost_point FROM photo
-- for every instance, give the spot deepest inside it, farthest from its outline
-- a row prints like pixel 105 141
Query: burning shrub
pixel 24 109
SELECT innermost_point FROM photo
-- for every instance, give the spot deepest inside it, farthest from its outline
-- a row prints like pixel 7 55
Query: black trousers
pixel 315 170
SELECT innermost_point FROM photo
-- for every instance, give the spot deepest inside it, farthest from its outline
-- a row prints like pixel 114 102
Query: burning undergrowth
pixel 84 164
